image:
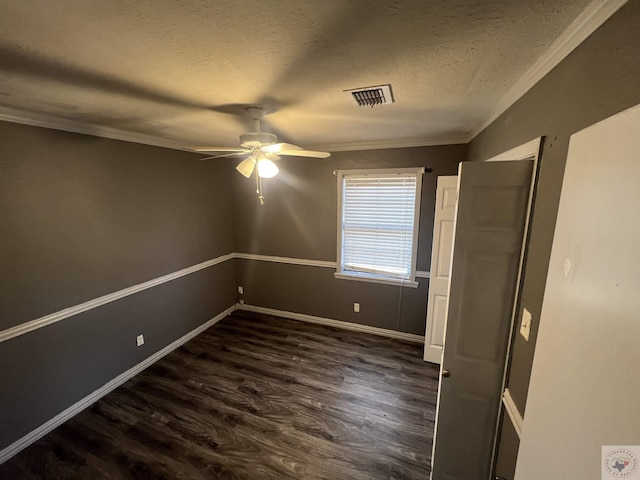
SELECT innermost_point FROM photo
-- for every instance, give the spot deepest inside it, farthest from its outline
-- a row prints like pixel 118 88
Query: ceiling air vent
pixel 371 96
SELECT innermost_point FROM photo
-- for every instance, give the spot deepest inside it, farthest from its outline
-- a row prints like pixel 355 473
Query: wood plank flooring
pixel 255 397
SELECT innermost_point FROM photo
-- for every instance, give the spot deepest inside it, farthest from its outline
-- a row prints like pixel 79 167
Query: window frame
pixel 374 277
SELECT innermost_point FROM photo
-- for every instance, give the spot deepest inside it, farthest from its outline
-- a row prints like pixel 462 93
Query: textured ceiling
pixel 181 70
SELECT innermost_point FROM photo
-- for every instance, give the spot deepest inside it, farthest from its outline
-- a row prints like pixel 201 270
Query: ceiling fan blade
pixel 224 155
pixel 294 150
pixel 246 166
pixel 216 149
pixel 305 153
pixel 278 147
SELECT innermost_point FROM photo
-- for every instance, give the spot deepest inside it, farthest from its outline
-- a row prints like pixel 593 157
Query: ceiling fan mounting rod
pixel 256 113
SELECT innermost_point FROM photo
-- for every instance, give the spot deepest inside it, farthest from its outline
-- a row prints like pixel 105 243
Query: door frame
pixel 531 150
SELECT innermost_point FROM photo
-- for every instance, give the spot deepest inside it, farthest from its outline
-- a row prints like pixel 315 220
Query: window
pixel 378 213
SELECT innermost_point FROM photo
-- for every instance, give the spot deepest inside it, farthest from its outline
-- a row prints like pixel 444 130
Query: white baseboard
pixel 90 399
pixel 409 337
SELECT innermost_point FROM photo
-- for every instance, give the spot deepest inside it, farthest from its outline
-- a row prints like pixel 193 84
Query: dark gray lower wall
pixel 315 291
pixel 46 371
pixel 83 217
pixel 599 79
pixel 508 445
pixel 299 220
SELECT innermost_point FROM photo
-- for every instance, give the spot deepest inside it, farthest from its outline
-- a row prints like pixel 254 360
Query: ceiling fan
pixel 261 150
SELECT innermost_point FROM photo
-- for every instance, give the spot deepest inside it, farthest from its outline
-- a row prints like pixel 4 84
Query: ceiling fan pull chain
pixel 260 196
pixel 259 188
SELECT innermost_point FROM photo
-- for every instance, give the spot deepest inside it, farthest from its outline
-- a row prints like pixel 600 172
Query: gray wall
pixel 81 217
pixel 505 466
pixel 599 79
pixel 299 220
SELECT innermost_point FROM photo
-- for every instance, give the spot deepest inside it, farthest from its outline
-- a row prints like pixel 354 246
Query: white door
pixel 441 250
pixel 489 228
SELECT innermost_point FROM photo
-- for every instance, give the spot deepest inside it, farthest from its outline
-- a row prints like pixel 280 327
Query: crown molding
pixel 381 144
pixel 591 18
pixel 8 114
pixel 47 121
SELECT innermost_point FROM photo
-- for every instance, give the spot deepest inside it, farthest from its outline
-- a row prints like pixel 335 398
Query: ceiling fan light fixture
pixel 267 169
pixel 271 156
pixel 261 149
pixel 246 166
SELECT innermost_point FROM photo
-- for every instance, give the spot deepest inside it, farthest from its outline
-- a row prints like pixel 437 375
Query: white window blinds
pixel 379 223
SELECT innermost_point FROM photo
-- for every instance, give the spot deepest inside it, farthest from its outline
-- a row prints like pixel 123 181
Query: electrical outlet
pixel 140 340
pixel 240 290
pixel 525 325
pixel 356 307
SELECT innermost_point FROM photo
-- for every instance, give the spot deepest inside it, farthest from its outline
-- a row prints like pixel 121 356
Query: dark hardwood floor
pixel 255 397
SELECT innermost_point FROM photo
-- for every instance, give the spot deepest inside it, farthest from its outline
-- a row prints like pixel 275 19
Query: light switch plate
pixel 525 325
pixel 140 340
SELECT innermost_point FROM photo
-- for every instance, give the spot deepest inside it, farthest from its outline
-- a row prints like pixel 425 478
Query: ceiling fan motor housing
pixel 257 139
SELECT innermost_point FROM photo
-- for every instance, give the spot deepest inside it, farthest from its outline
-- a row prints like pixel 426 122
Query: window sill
pixel 375 279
